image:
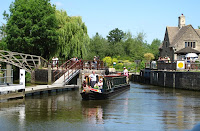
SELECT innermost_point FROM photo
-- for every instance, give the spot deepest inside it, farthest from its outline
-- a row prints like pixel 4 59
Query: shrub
pixel 119 66
pixel 148 56
pixel 131 67
pixel 28 77
pixel 114 60
pixel 127 63
pixel 142 65
pixel 108 61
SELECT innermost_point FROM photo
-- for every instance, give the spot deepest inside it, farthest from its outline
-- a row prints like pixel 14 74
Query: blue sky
pixel 148 16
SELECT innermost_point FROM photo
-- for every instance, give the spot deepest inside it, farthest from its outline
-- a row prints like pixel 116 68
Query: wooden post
pixel 33 76
pixel 9 73
pixel 49 74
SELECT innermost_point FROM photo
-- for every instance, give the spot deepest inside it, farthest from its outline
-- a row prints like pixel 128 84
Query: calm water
pixel 143 107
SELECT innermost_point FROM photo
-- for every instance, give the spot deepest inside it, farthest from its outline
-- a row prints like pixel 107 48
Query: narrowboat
pixel 111 85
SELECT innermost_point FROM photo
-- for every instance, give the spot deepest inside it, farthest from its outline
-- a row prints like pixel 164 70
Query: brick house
pixel 178 41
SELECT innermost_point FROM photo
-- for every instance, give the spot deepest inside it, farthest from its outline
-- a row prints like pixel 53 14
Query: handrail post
pixel 97 65
pixel 90 64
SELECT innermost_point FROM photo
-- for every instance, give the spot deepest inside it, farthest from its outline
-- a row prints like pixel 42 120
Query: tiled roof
pixel 172 31
pixel 179 35
pixel 198 31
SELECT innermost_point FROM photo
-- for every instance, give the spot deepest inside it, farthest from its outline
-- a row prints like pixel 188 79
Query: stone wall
pixel 171 79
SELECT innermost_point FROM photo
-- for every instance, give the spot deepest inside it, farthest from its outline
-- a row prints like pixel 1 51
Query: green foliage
pixel 73 38
pixel 3 44
pixel 119 66
pixel 28 77
pixel 31 27
pixel 115 60
pixel 131 67
pixel 98 47
pixel 115 36
pixel 142 65
pixel 154 48
pixel 108 61
pixel 126 63
pixel 148 56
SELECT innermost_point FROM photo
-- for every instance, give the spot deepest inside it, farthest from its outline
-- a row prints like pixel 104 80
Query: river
pixel 143 107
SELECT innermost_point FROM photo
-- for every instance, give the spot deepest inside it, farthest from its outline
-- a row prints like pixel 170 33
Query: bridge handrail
pixel 62 66
pixel 74 67
pixel 70 67
pixel 89 64
pixel 25 61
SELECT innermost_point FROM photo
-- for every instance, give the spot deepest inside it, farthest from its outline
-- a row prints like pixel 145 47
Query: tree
pixel 73 38
pixel 115 36
pixel 31 27
pixel 154 47
pixel 148 56
pixel 138 47
pixel 108 61
pixel 3 45
pixel 98 47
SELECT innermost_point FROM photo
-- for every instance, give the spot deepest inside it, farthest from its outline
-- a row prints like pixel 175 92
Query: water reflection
pixel 143 107
pixel 93 112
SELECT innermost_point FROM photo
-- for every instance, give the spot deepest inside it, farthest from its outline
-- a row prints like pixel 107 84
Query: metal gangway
pixel 68 70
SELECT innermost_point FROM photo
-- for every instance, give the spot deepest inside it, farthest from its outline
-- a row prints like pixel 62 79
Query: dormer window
pixel 191 44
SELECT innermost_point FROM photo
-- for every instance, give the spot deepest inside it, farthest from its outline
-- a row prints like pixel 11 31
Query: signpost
pixel 180 65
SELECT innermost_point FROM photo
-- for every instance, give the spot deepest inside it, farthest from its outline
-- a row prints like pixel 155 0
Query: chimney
pixel 181 21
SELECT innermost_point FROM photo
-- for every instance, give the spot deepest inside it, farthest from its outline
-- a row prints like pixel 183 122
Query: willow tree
pixel 73 38
pixel 31 27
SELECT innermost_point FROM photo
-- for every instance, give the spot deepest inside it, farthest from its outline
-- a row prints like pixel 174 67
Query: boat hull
pixel 105 95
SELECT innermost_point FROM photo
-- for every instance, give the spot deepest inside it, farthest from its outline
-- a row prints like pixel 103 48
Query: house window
pixel 190 44
pixel 194 46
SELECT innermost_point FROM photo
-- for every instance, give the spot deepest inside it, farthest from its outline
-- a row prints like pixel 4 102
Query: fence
pixel 68 66
pixel 4 79
pixel 171 65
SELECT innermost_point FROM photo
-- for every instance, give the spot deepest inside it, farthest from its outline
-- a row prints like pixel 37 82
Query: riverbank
pixel 171 79
pixel 34 90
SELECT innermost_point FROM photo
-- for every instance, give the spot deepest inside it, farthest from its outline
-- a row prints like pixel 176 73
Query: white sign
pixel 180 65
pixel 22 77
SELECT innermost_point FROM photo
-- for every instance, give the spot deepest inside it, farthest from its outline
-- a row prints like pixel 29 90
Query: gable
pixel 171 33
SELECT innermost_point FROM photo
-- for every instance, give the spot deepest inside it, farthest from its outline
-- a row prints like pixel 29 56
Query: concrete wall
pixel 41 76
pixel 170 79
